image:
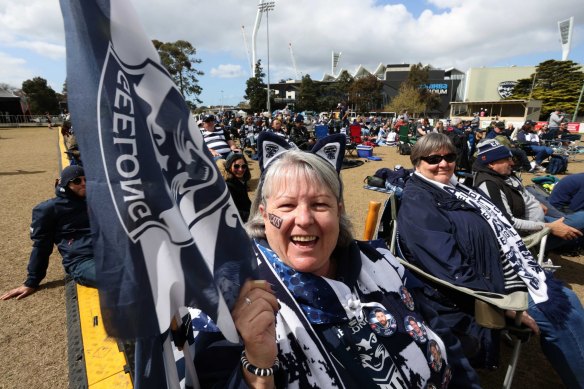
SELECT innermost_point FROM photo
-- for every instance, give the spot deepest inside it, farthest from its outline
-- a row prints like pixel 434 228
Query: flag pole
pixel 172 380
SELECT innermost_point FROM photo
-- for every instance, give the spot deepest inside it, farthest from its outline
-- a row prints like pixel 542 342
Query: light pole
pixel 267 7
pixel 221 100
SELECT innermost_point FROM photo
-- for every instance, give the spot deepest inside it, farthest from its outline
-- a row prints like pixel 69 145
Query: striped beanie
pixel 491 150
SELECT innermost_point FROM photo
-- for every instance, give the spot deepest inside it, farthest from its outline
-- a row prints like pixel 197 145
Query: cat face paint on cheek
pixel 276 221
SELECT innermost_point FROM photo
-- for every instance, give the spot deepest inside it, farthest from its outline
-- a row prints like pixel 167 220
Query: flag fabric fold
pixel 166 233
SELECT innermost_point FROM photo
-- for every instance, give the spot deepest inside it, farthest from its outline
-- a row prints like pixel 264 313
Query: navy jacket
pixel 449 239
pixel 64 221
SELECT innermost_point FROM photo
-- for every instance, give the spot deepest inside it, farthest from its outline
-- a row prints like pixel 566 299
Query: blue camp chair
pixel 320 131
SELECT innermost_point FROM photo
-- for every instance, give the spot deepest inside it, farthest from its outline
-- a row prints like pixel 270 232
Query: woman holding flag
pixel 329 311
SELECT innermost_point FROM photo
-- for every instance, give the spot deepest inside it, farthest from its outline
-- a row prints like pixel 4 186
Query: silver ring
pixel 248 301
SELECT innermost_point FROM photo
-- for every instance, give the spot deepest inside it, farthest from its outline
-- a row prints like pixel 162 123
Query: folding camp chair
pixel 320 131
pixel 354 139
pixel 405 141
pixel 489 307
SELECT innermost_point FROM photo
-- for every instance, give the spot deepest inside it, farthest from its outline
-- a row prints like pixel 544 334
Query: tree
pixel 365 94
pixel 179 59
pixel 307 95
pixel 255 90
pixel 408 98
pixel 418 78
pixel 557 84
pixel 8 87
pixel 42 98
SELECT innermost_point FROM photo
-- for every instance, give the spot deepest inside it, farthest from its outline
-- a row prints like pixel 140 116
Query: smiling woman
pixel 329 311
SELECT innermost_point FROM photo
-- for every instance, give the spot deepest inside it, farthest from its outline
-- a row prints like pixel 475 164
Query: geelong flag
pixel 165 230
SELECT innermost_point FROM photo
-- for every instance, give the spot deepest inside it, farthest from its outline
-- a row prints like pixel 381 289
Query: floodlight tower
pixel 267 7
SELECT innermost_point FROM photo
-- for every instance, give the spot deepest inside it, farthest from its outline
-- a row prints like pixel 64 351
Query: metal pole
pixel 578 104
pixel 268 43
pixel 267 7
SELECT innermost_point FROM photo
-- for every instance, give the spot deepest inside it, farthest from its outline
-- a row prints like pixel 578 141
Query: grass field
pixel 33 331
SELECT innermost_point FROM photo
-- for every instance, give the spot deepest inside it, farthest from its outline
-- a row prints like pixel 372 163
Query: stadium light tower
pixel 266 8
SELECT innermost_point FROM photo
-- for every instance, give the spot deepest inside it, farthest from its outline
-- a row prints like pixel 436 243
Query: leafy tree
pixel 307 95
pixel 8 87
pixel 365 93
pixel 418 77
pixel 179 59
pixel 42 98
pixel 255 90
pixel 344 82
pixel 408 98
pixel 557 84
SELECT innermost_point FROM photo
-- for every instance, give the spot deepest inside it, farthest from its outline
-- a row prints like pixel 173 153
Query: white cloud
pixel 228 71
pixel 13 71
pixel 443 33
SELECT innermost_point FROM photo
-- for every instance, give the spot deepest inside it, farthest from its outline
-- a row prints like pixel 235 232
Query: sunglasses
pixel 436 159
pixel 77 180
pixel 236 166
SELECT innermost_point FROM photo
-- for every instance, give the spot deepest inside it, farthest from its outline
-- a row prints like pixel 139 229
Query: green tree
pixel 343 84
pixel 365 94
pixel 180 61
pixel 408 98
pixel 307 95
pixel 41 97
pixel 557 84
pixel 418 77
pixel 255 90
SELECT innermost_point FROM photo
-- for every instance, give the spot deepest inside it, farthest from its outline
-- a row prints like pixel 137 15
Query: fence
pixel 28 120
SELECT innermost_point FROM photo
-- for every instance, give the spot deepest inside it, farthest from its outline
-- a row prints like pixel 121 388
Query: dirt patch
pixel 33 331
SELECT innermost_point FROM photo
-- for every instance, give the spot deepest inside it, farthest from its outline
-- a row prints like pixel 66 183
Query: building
pixel 446 83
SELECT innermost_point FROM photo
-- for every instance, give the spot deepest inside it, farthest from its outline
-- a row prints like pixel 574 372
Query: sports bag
pixel 558 164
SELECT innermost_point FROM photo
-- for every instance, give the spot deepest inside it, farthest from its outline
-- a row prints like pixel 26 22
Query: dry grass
pixel 33 331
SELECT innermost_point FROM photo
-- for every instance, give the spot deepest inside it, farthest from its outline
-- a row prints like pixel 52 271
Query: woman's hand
pixel 526 320
pixel 255 319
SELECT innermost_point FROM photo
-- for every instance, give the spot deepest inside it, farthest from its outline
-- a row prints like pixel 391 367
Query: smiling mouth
pixel 304 240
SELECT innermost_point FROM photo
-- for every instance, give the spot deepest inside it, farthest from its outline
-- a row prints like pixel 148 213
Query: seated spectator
pixel 300 135
pixel 439 127
pixel 424 127
pixel 236 177
pixel 218 139
pixel 568 194
pixel 500 135
pixel 381 138
pixel 495 178
pixel 565 134
pixel 527 137
pixel 71 146
pixel 62 221
pixel 435 233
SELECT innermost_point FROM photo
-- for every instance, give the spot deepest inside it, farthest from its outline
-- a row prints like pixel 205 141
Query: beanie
pixel 232 158
pixel 491 150
pixel 69 173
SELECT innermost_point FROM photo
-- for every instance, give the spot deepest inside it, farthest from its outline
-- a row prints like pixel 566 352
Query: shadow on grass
pixel 22 172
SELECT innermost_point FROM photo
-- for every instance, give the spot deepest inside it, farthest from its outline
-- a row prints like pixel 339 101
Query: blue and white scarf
pixel 539 285
pixel 307 300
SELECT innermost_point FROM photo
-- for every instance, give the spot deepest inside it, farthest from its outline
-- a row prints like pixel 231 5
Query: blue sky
pixel 443 33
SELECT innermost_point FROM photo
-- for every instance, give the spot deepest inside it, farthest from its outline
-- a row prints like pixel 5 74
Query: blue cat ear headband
pixel 271 146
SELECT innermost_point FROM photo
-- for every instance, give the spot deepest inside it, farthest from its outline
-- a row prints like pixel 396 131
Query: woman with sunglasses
pixel 62 221
pixel 458 235
pixel 236 176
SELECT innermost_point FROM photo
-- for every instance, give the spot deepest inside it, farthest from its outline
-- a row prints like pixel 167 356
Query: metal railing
pixel 29 120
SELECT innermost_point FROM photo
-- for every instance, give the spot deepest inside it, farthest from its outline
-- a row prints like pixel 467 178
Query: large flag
pixel 166 232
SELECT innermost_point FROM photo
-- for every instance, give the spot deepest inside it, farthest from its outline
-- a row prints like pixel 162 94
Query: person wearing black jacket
pixel 62 221
pixel 236 177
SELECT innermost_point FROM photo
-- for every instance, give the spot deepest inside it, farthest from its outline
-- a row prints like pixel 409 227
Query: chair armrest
pixel 535 238
pixel 516 301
